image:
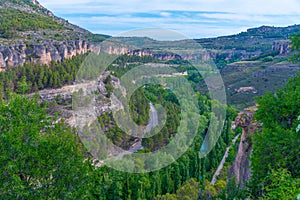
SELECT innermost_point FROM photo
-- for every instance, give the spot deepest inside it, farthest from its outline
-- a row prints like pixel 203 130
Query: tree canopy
pixel 276 152
pixel 40 157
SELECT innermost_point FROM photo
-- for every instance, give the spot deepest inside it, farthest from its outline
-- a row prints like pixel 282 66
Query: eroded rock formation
pixel 44 53
pixel 282 46
pixel 241 166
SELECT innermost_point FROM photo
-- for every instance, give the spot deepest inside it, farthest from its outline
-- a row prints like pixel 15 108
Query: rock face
pixel 241 166
pixel 19 54
pixel 282 46
pixel 166 56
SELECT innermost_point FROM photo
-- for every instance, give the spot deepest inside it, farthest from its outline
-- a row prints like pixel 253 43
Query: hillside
pixel 251 62
pixel 31 33
pixel 254 39
pixel 29 21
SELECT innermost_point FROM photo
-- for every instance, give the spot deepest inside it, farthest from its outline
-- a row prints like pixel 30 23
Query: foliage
pixel 31 77
pixel 298 127
pixel 277 146
pixel 167 99
pixel 139 107
pixel 188 191
pixel 125 63
pixel 281 185
pixel 40 158
pixel 295 39
pixel 169 182
pixel 113 132
pixel 103 182
pixel 233 191
pixel 13 20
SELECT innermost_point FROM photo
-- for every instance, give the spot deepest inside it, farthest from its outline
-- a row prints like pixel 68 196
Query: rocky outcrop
pixel 44 53
pixel 241 166
pixel 281 46
pixel 166 56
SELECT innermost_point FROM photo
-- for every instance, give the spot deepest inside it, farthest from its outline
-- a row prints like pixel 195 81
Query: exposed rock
pixel 282 46
pixel 241 166
pixel 246 89
pixel 44 53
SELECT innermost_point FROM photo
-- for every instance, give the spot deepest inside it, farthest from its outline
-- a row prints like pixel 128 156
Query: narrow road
pixel 153 122
pixel 214 179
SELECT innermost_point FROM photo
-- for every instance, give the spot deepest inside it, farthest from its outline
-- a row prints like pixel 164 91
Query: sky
pixel 190 18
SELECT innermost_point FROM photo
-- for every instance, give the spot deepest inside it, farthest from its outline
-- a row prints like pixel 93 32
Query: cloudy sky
pixel 192 18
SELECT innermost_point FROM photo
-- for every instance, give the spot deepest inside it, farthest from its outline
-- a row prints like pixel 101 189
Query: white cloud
pixel 165 14
pixel 121 6
pixel 220 17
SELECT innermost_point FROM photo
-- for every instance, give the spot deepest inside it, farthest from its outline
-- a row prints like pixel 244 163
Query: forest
pixel 43 157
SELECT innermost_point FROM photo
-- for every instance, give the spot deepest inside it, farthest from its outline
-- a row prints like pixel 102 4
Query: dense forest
pixel 58 165
pixel 27 134
pixel 54 160
pixel 42 157
pixel 275 159
pixel 33 77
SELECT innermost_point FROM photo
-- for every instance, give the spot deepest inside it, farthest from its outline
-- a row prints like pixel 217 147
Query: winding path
pixel 153 122
pixel 214 179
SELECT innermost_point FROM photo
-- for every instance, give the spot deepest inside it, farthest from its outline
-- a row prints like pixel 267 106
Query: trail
pixel 214 179
pixel 153 122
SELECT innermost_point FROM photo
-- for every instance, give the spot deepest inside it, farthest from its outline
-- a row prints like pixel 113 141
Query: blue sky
pixel 191 18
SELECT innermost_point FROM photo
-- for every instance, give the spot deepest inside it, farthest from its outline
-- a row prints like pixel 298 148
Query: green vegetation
pixel 125 63
pixel 276 149
pixel 38 77
pixel 296 47
pixel 262 76
pixel 188 191
pixel 40 158
pixel 43 158
pixel 255 39
pixel 13 21
pixel 168 100
pixel 139 107
pixel 113 132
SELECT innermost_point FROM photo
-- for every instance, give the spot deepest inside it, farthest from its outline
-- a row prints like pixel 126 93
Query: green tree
pixel 23 86
pixel 295 39
pixel 40 158
pixel 189 190
pixel 281 185
pixel 277 145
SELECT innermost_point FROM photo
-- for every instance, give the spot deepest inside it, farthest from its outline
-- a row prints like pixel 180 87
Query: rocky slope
pixel 241 166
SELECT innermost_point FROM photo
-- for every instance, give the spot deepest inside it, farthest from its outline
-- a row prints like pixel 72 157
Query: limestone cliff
pixel 282 46
pixel 44 53
pixel 241 166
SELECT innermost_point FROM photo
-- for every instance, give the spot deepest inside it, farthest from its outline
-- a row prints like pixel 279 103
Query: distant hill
pixel 261 38
pixel 254 44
